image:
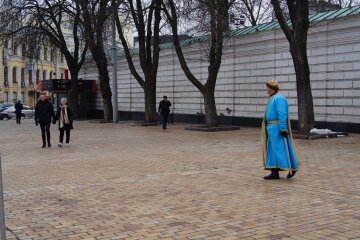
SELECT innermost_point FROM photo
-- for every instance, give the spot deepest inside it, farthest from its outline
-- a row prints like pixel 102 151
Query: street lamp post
pixel 114 74
pixel 2 211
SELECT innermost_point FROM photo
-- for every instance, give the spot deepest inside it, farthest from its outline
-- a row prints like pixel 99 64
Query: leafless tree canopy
pixel 55 24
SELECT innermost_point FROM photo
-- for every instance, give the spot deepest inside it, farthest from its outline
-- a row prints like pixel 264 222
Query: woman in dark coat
pixel 65 117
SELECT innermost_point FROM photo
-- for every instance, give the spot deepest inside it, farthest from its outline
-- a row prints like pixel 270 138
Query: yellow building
pixel 20 74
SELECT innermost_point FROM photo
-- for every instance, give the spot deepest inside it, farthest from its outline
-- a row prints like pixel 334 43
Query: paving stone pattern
pixel 117 181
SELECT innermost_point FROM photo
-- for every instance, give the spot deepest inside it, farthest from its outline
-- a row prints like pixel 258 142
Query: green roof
pixel 343 12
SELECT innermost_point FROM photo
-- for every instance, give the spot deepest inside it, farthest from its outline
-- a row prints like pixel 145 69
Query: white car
pixel 27 112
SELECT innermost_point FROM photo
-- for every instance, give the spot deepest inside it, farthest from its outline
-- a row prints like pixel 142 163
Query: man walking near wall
pixel 164 110
pixel 18 110
pixel 277 146
pixel 44 113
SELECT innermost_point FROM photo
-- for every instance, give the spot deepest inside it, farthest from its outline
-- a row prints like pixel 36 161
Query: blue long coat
pixel 273 148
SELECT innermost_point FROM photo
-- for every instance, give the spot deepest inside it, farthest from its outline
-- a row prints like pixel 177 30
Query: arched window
pixel 52 55
pixel 50 75
pixel 14 75
pixel 37 77
pixel 44 75
pixel 23 76
pixel 31 77
pixel 15 48
pixel 45 53
pixel 37 53
pixel 23 50
pixel 6 76
pixel 6 44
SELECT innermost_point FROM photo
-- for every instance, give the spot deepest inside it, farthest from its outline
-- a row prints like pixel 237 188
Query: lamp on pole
pixel 2 211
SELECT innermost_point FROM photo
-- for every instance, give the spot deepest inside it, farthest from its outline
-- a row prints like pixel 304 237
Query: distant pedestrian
pixel 64 115
pixel 164 110
pixel 44 113
pixel 18 111
pixel 278 151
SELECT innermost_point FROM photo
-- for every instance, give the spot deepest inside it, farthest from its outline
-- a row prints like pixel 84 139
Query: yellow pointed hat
pixel 273 84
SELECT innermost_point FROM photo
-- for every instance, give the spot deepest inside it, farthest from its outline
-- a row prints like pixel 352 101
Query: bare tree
pixel 146 18
pixel 218 12
pixel 297 33
pixel 193 16
pixel 316 6
pixel 95 16
pixel 343 3
pixel 38 22
pixel 251 12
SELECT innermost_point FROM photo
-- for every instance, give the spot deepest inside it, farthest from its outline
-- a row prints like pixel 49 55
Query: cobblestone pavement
pixel 126 182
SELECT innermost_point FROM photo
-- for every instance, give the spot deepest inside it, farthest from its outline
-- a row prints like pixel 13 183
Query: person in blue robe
pixel 277 143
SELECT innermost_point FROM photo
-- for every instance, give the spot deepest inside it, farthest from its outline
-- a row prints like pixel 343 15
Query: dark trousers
pixel 45 132
pixel 62 131
pixel 164 119
pixel 18 118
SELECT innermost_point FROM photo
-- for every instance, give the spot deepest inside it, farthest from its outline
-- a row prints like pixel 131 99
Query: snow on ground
pixel 321 131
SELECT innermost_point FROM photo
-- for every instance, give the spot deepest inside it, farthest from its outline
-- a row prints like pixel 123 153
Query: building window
pixel 23 76
pixel 14 97
pixel 62 58
pixel 31 79
pixel 50 75
pixel 37 77
pixel 6 44
pixel 6 76
pixel 15 48
pixel 62 75
pixel 6 97
pixel 52 55
pixel 14 75
pixel 23 50
pixel 23 97
pixel 44 75
pixel 37 53
pixel 45 53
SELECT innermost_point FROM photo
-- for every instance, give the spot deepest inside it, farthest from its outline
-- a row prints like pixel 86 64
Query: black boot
pixel 291 175
pixel 273 175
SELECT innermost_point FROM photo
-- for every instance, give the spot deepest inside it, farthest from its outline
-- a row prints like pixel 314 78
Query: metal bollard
pixel 2 211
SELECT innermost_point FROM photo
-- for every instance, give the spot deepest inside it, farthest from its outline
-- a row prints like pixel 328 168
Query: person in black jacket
pixel 164 110
pixel 65 117
pixel 18 110
pixel 44 112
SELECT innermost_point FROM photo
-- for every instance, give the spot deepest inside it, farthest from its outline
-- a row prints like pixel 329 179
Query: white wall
pixel 248 62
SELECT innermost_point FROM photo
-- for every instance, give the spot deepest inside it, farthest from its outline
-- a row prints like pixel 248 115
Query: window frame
pixel 14 74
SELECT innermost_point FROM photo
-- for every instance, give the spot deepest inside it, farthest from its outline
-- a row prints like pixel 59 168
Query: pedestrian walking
pixel 18 111
pixel 64 115
pixel 277 145
pixel 44 113
pixel 164 110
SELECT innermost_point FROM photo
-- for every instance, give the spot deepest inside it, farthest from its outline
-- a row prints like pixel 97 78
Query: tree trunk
pixel 210 108
pixel 74 96
pixel 304 95
pixel 105 89
pixel 150 102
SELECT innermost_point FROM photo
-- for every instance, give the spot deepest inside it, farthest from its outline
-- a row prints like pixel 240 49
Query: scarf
pixel 63 116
